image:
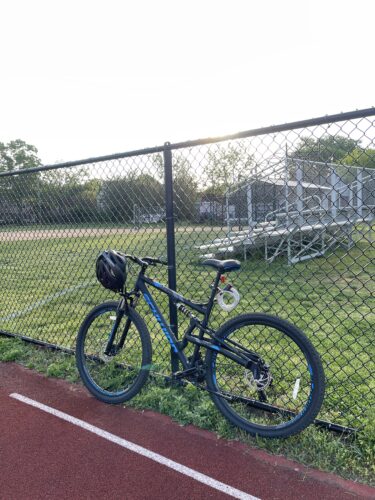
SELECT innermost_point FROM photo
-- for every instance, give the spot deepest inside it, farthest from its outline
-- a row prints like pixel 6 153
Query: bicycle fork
pixel 112 349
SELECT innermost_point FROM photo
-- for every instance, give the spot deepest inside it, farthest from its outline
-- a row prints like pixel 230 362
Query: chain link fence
pixel 295 203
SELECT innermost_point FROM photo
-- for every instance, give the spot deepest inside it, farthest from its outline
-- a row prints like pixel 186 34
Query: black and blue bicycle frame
pixel 238 353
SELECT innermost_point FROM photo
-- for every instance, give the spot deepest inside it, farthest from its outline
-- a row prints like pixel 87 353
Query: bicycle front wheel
pixel 118 375
pixel 276 397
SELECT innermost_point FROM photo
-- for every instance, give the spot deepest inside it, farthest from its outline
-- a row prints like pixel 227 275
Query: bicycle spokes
pixel 280 384
pixel 111 362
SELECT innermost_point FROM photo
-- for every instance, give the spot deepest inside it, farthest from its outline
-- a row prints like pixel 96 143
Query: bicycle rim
pixel 279 400
pixel 117 376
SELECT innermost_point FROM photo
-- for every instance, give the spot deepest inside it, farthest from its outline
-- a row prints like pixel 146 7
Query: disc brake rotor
pixel 260 383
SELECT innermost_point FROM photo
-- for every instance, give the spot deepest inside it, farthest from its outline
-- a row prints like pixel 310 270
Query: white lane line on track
pixel 182 469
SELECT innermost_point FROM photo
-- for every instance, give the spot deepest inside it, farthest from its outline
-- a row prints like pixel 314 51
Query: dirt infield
pixel 45 234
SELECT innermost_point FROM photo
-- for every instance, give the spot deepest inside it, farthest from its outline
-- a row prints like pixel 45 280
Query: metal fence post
pixel 171 247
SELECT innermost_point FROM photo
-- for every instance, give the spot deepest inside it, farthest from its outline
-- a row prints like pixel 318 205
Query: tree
pixel 360 157
pixel 68 196
pixel 185 189
pixel 326 149
pixel 331 149
pixel 18 194
pixel 227 166
pixel 117 197
pixel 185 185
pixel 18 155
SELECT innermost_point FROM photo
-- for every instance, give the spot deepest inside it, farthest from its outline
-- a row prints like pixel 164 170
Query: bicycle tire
pixel 293 397
pixel 116 378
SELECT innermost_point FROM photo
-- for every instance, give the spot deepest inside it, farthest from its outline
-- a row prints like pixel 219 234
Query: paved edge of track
pixel 20 377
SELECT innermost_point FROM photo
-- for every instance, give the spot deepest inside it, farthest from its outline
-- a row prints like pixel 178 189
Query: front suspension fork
pixel 109 350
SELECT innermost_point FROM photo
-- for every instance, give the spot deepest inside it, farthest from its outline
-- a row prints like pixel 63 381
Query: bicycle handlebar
pixel 153 261
pixel 146 261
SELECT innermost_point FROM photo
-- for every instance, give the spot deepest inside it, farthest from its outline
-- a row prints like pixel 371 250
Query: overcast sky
pixel 81 78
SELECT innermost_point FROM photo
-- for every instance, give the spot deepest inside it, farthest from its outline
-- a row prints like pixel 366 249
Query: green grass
pixel 48 286
pixel 352 458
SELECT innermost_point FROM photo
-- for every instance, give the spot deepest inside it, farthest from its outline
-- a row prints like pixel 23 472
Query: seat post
pixel 212 297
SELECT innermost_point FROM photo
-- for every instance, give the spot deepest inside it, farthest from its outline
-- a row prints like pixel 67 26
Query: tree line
pixel 75 196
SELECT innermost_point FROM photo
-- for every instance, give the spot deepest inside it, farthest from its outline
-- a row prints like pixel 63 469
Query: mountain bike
pixel 262 373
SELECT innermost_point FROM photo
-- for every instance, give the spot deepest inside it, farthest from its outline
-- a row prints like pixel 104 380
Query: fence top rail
pixel 340 117
pixel 351 115
pixel 86 161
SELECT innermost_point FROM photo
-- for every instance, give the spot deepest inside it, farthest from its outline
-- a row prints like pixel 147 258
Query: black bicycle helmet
pixel 111 270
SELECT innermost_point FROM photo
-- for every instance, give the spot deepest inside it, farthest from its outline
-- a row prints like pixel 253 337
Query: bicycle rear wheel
pixel 278 399
pixel 119 375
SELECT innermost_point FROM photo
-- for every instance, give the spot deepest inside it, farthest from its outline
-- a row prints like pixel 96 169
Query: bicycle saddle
pixel 224 266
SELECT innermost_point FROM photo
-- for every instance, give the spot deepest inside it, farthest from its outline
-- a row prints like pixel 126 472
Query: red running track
pixel 43 456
